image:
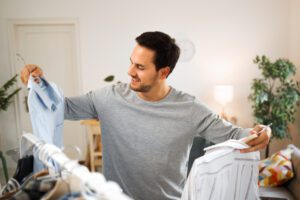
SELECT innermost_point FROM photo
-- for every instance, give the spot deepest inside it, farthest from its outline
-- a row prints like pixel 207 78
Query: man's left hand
pixel 259 142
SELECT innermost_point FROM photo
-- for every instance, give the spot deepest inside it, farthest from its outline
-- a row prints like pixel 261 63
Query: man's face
pixel 142 69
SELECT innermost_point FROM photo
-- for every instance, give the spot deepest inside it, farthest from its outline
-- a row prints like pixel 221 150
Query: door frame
pixel 12 25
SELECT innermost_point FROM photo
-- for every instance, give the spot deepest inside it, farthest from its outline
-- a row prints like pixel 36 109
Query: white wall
pixel 294 32
pixel 227 34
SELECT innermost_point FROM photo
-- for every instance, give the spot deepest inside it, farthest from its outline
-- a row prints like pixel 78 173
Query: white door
pixel 54 48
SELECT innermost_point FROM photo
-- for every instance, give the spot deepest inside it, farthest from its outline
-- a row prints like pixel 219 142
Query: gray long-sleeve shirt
pixel 146 144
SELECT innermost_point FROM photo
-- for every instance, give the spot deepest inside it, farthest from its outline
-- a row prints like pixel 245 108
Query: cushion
pixel 277 169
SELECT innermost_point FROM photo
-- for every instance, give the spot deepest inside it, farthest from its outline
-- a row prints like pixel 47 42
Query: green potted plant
pixel 5 100
pixel 275 96
pixel 5 96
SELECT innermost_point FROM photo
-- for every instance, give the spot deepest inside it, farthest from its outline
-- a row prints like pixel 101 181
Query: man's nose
pixel 131 70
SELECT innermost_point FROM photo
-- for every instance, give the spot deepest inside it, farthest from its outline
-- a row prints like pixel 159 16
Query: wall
pixel 294 50
pixel 227 35
pixel 294 56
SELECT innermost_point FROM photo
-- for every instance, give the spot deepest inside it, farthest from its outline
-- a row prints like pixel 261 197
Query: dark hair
pixel 166 51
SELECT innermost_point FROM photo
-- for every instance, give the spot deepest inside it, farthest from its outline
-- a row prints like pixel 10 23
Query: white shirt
pixel 224 173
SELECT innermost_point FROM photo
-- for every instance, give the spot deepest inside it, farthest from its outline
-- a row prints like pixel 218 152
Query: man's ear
pixel 164 72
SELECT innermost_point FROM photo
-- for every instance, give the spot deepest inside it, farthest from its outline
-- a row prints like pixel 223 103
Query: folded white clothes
pixel 224 173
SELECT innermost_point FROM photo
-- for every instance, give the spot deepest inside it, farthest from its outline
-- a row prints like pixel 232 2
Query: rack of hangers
pixel 94 182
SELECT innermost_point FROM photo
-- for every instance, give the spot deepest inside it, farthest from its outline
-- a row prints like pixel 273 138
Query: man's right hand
pixel 32 69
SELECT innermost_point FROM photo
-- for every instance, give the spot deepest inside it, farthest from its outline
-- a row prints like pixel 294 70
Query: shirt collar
pixel 45 92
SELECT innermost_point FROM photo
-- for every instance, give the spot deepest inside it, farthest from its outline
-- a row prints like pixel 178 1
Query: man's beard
pixel 142 88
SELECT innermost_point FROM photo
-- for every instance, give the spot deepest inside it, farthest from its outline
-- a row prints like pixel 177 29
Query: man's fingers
pixel 258 141
pixel 253 148
pixel 258 128
pixel 256 144
pixel 248 150
pixel 32 69
pixel 264 135
pixel 24 75
pixel 36 74
pixel 253 141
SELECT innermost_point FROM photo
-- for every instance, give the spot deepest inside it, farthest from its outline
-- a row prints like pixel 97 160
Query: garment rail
pixel 93 181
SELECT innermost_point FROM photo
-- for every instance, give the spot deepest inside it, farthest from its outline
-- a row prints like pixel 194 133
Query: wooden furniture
pixel 94 157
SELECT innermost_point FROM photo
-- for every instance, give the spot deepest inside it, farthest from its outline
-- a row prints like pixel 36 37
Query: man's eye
pixel 140 67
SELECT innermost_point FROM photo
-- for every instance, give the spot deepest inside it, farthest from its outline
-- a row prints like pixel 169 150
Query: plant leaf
pixel 109 78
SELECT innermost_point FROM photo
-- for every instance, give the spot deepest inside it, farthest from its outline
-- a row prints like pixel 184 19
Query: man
pixel 148 126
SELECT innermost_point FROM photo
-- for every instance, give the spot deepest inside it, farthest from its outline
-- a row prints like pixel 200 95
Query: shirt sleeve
pixel 212 127
pixel 80 107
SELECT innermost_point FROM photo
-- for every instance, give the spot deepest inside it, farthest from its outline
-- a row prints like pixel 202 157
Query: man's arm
pixel 81 107
pixel 210 126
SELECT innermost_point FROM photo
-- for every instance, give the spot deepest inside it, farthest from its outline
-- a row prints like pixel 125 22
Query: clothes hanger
pixel 60 188
pixel 28 181
pixel 84 176
pixel 25 165
pixel 64 183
